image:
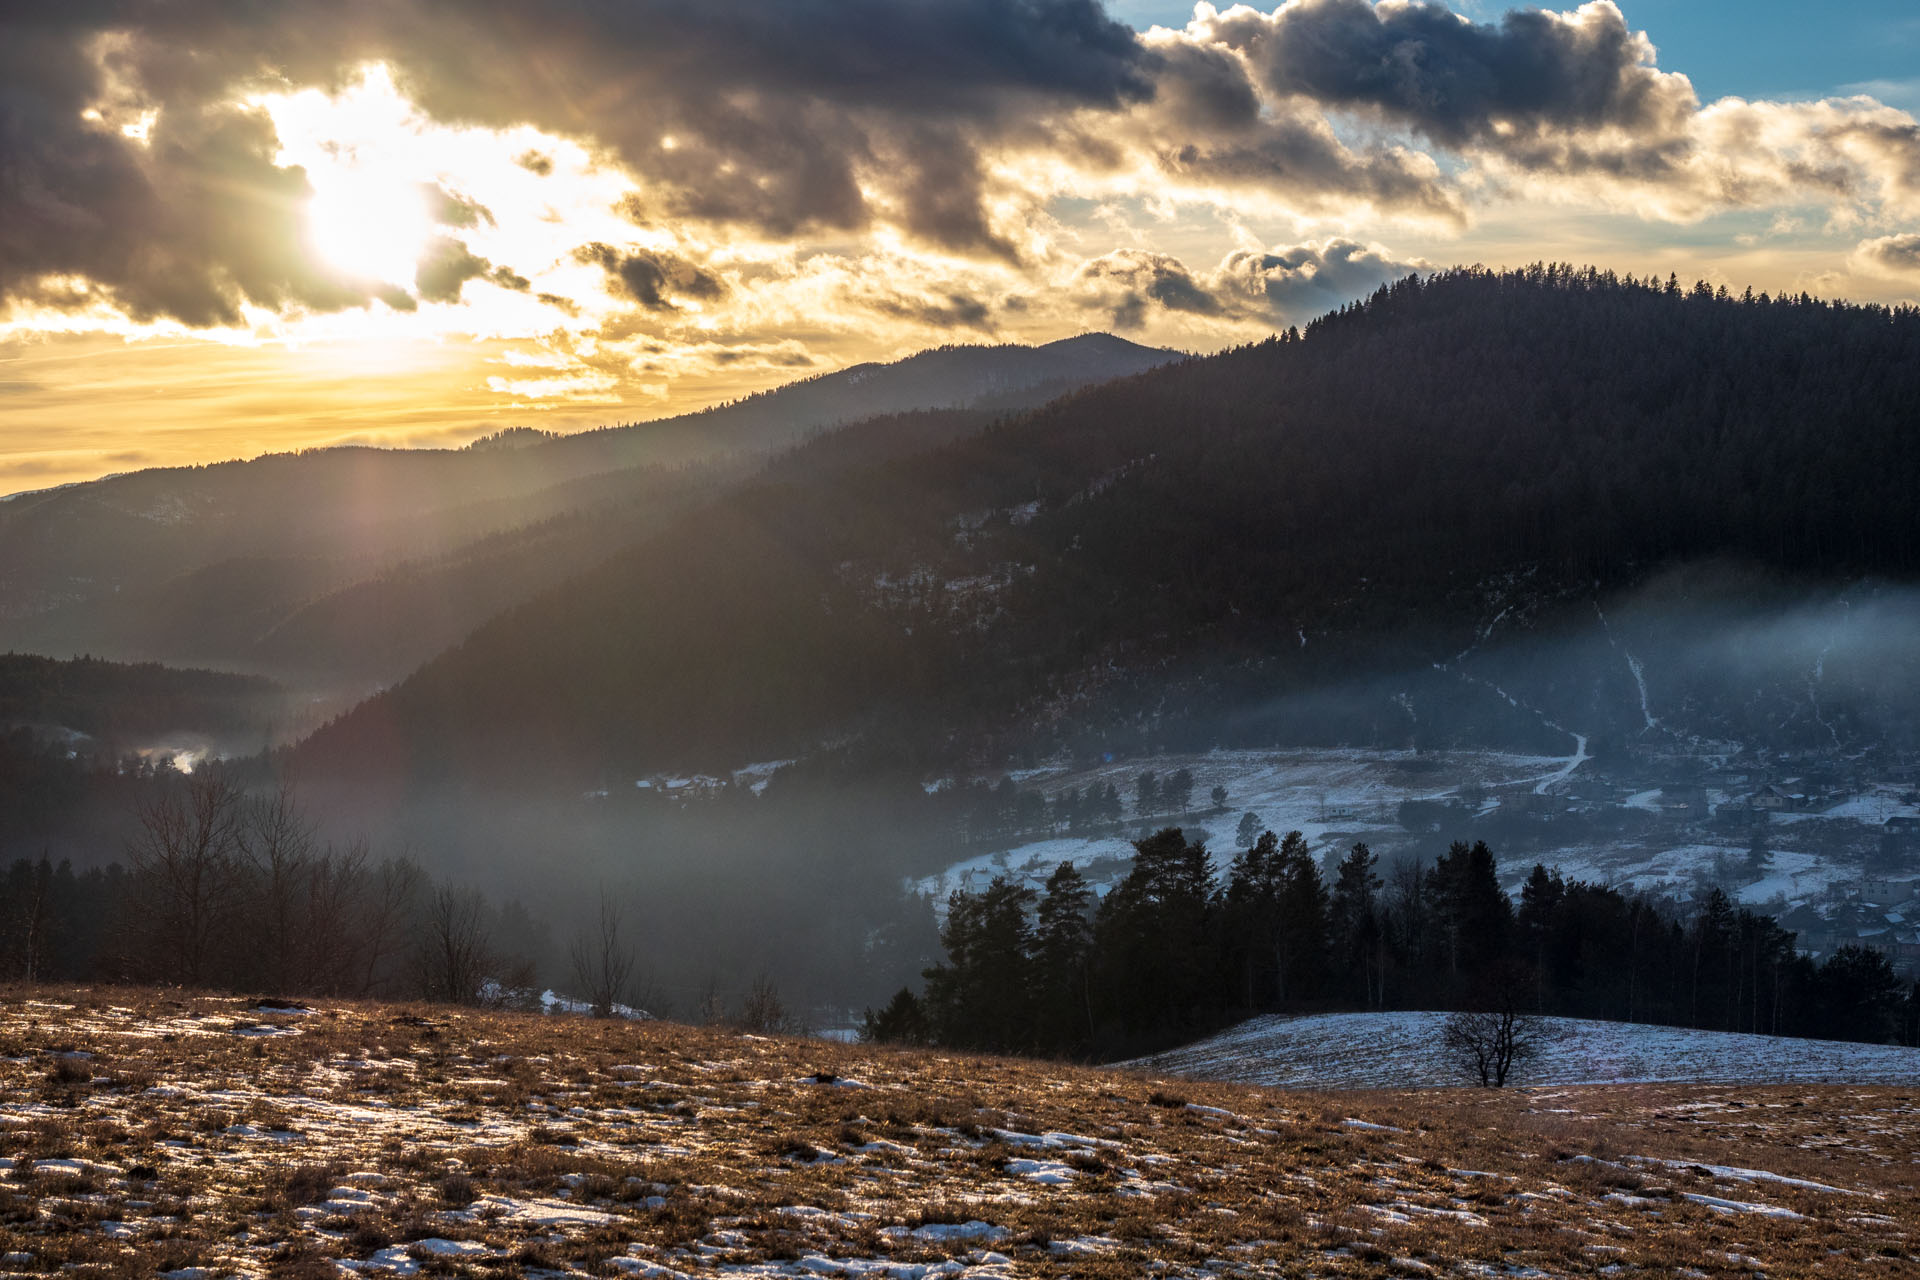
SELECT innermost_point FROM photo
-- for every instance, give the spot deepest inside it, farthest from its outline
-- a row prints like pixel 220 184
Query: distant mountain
pixel 283 558
pixel 1207 552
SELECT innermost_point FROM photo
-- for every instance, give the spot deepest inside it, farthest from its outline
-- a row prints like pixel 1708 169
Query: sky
pixel 229 229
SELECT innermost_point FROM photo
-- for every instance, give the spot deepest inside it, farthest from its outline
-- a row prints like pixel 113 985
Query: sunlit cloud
pixel 662 207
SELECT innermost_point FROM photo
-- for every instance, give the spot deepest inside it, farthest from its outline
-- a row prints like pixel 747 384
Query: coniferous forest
pixel 1146 543
pixel 1172 953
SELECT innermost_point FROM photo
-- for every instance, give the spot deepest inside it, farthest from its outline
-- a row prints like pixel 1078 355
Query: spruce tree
pixel 1062 947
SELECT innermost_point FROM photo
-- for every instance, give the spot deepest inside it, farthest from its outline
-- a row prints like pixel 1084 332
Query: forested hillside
pixel 117 701
pixel 1158 550
pixel 356 564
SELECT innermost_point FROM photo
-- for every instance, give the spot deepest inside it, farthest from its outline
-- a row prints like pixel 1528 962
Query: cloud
pixel 187 217
pixel 136 177
pixel 1268 287
pixel 1300 281
pixel 652 279
pixel 450 209
pixel 1897 255
pixel 1459 82
pixel 1131 282
pixel 448 264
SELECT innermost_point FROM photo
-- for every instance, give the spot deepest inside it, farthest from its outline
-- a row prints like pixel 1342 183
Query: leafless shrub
pixel 763 1012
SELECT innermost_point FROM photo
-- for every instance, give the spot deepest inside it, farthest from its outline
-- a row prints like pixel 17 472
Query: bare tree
pixel 387 911
pixel 454 949
pixel 185 860
pixel 26 910
pixel 763 1011
pixel 602 963
pixel 1486 1046
pixel 277 847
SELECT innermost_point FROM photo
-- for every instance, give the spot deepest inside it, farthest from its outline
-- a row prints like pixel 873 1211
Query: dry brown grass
pixel 496 1144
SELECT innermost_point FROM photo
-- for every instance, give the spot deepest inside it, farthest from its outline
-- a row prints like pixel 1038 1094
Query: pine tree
pixel 1146 794
pixel 1062 947
pixel 1248 831
pixel 981 997
pixel 1473 912
pixel 1154 938
pixel 1178 793
pixel 1354 923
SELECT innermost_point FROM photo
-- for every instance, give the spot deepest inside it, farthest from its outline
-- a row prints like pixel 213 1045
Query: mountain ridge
pixel 1055 578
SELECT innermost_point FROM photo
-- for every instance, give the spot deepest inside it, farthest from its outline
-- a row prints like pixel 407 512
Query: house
pixel 1771 799
pixel 1874 889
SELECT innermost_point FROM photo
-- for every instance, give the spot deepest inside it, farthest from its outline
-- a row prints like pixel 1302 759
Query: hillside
pixel 128 704
pixel 286 563
pixel 169 1133
pixel 1403 1050
pixel 1239 549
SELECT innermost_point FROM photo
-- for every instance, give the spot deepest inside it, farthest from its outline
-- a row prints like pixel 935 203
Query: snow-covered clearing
pixel 1402 1050
pixel 1337 797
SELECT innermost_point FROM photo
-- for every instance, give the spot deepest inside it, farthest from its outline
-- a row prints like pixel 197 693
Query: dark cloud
pixel 778 111
pixel 943 196
pixel 946 311
pixel 1895 255
pixel 445 268
pixel 1132 282
pixel 1463 83
pixel 1275 286
pixel 1298 281
pixel 652 279
pixel 188 224
pixel 448 264
pixel 1299 158
pixel 535 162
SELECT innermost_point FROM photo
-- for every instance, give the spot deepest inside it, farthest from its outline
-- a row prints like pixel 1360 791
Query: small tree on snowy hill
pixel 1248 831
pixel 1489 1044
pixel 1146 794
pixel 1178 794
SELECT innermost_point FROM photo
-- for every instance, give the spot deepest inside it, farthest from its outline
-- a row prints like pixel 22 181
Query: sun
pixel 370 225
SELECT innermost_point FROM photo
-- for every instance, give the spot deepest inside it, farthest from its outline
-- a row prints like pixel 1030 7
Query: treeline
pixel 228 890
pixel 120 700
pixel 1172 953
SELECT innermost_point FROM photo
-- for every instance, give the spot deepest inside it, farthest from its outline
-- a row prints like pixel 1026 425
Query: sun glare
pixel 370 225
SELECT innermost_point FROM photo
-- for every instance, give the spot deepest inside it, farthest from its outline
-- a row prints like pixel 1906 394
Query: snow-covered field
pixel 1402 1051
pixel 1331 797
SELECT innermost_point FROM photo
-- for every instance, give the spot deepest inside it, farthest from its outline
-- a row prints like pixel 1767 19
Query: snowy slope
pixel 1335 797
pixel 1401 1050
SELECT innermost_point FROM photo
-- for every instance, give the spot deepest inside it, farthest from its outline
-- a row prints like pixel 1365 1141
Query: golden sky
pixel 413 222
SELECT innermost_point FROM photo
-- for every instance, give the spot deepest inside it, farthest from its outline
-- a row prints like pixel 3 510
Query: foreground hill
pixel 163 1134
pixel 218 563
pixel 1187 555
pixel 1387 1050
